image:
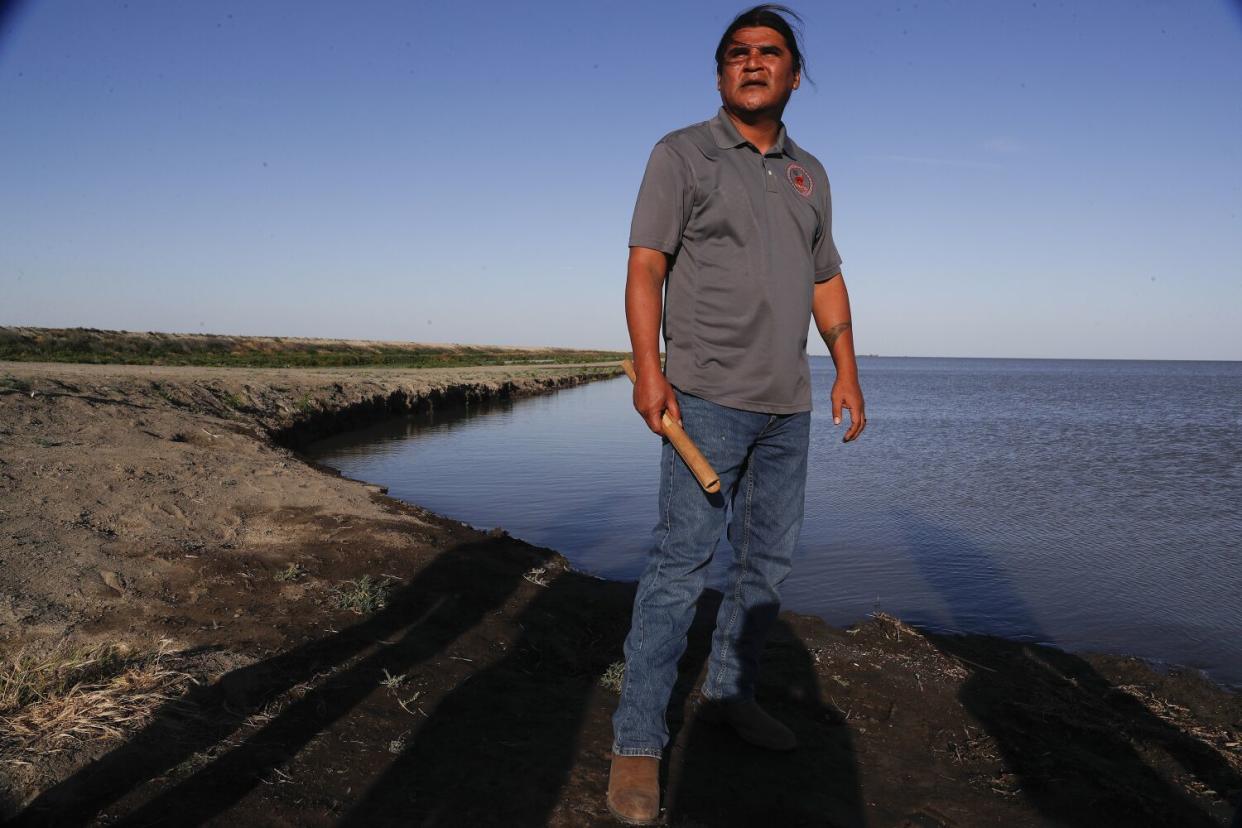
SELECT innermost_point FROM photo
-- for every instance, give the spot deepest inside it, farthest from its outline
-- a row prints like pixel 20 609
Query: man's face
pixel 757 72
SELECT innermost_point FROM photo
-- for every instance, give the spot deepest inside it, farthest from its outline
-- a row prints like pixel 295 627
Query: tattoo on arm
pixel 834 333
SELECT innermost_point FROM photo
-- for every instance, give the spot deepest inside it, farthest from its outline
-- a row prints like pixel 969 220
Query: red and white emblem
pixel 800 179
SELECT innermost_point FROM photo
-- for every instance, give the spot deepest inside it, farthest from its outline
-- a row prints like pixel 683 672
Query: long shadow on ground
pixel 448 597
pixel 1084 753
pixel 501 747
pixel 520 737
pixel 527 740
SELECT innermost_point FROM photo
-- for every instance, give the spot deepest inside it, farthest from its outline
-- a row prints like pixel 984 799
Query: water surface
pixel 1089 504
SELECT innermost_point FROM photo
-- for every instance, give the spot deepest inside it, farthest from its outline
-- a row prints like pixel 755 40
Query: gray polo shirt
pixel 749 234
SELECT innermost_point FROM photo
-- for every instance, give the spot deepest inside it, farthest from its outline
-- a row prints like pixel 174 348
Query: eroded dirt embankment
pixel 119 481
pixel 474 688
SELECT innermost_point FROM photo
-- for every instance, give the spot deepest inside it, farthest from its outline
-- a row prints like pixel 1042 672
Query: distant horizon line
pixel 1039 359
pixel 587 347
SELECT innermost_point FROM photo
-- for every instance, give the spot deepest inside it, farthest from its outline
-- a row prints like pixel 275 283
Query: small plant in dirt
pixel 398 744
pixel 613 676
pixel 538 576
pixel 292 572
pixel 305 404
pixel 393 682
pixel 364 595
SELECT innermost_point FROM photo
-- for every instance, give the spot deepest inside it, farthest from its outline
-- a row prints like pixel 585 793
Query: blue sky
pixel 1035 179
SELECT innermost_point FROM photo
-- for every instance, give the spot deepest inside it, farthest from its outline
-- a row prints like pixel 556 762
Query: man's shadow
pixel 525 740
pixel 448 597
pixel 716 779
pixel 539 731
pixel 501 748
pixel 1076 743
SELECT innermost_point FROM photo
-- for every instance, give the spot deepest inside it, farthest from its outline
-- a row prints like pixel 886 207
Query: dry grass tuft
pixel 613 677
pixel 538 576
pixel 1227 742
pixel 292 572
pixel 894 628
pixel 364 595
pixel 54 698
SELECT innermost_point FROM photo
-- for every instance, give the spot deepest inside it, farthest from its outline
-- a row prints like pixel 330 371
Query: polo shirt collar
pixel 727 136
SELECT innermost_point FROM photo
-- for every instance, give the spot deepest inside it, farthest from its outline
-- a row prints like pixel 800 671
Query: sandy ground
pixel 141 504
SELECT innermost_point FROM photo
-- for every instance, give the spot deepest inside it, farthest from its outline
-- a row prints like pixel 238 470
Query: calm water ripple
pixel 1090 504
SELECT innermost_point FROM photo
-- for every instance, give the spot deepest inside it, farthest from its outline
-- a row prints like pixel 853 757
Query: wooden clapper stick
pixel 699 467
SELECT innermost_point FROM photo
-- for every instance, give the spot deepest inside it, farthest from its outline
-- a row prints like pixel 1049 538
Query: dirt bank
pixel 465 680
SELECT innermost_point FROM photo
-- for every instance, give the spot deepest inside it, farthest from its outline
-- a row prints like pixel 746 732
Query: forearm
pixel 831 309
pixel 644 305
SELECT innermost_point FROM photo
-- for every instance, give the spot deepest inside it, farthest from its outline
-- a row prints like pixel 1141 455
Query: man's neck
pixel 760 128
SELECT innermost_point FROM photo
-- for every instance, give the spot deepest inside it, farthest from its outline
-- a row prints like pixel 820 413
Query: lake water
pixel 1094 505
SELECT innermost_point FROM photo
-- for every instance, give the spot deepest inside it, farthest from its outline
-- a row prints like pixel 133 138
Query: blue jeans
pixel 761 460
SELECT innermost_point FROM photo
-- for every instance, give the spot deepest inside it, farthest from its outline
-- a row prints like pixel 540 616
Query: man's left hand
pixel 846 393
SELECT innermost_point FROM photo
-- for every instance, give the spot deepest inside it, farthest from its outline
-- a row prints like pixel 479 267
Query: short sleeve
pixel 827 259
pixel 664 200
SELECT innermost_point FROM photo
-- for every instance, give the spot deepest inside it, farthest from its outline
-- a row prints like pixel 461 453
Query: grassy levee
pixel 90 345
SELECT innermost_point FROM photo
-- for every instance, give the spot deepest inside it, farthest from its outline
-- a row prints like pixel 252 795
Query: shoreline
pixel 148 502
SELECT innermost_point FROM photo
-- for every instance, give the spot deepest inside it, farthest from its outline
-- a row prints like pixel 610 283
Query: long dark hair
pixel 771 16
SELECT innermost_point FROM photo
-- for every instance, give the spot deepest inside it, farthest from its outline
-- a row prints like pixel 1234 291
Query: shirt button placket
pixel 771 179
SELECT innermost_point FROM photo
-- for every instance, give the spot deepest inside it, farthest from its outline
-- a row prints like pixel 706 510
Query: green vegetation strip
pixel 129 348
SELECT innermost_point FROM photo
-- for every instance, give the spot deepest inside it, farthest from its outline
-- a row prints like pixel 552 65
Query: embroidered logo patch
pixel 800 179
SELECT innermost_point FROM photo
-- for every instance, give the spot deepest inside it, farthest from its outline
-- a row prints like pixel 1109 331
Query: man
pixel 736 219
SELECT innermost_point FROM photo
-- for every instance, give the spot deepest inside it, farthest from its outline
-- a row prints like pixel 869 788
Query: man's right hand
pixel 652 397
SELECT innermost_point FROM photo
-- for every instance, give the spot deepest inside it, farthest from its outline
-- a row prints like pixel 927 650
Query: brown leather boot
pixel 634 789
pixel 749 721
